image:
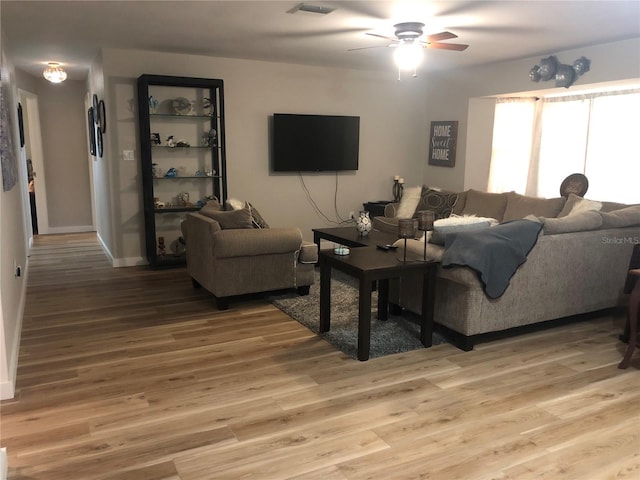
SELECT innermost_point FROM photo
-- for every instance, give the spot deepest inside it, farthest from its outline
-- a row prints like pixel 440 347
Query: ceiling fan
pixel 410 44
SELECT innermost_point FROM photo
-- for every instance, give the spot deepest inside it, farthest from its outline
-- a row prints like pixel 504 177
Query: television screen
pixel 315 143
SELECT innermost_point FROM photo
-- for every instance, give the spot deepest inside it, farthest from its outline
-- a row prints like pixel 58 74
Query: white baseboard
pixel 4 467
pixel 121 262
pixel 78 229
pixel 129 262
pixel 8 387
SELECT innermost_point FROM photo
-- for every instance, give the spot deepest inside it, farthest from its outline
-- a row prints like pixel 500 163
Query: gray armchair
pixel 238 261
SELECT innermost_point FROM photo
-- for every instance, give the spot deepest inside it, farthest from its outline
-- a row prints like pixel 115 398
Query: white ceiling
pixel 72 32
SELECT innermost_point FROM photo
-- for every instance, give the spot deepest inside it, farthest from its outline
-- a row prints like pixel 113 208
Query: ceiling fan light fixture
pixel 408 56
pixel 54 73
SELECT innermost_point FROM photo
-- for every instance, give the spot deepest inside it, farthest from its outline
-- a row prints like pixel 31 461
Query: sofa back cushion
pixel 576 204
pixel 483 204
pixel 578 222
pixel 624 217
pixel 519 206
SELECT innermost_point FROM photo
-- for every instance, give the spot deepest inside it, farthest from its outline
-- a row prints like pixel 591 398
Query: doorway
pixel 35 162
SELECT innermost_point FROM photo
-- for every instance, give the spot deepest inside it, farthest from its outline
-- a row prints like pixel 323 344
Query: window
pixel 597 135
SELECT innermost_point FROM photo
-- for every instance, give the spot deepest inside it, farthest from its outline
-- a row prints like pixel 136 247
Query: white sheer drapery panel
pixel 563 143
pixel 511 146
pixel 613 152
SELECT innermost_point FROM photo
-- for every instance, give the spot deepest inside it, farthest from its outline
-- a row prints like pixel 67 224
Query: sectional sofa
pixel 578 263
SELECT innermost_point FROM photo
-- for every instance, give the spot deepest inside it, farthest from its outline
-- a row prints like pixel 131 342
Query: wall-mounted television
pixel 315 143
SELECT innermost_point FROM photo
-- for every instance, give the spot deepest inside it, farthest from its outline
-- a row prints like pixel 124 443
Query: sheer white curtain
pixel 563 143
pixel 534 149
pixel 511 147
pixel 613 153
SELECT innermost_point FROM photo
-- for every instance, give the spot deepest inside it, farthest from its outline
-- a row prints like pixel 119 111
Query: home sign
pixel 442 143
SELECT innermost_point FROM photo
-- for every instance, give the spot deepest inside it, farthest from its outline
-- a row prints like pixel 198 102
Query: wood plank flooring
pixel 131 374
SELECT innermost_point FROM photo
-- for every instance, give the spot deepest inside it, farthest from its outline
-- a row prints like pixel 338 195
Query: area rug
pixel 395 335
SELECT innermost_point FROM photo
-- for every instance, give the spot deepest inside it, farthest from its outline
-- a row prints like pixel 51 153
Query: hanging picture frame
pixel 92 131
pixel 102 117
pixel 99 142
pixel 443 138
pixel 21 124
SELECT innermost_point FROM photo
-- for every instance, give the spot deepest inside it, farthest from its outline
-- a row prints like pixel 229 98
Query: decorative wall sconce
pixel 564 75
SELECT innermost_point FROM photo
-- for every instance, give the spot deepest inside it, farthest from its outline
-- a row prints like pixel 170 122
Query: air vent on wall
pixel 303 7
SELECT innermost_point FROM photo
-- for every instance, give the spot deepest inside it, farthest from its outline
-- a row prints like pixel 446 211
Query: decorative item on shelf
pixel 170 141
pixel 182 143
pixel 162 249
pixel 198 173
pixel 153 104
pixel 563 74
pixel 182 106
pixel 209 138
pixel 183 199
pixel 178 246
pixel 207 106
pixel 210 173
pixel 363 223
pixel 398 187
pixel 154 170
pixel 171 173
pixel 155 139
pixel 425 224
pixel 406 229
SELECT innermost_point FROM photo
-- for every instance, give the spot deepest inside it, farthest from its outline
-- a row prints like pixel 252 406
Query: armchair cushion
pixel 252 242
pixel 230 219
pixel 308 253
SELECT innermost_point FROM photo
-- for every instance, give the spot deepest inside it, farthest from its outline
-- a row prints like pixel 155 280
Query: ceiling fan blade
pixel 367 48
pixel 314 33
pixel 382 36
pixel 448 46
pixel 438 37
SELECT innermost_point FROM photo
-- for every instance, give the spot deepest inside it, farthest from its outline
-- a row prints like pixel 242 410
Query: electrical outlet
pixel 17 270
pixel 352 215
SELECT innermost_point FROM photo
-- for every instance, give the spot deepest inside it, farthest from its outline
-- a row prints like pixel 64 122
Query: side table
pixel 376 208
pixel 369 264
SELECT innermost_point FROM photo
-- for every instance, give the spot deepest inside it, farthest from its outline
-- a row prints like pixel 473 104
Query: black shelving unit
pixel 189 110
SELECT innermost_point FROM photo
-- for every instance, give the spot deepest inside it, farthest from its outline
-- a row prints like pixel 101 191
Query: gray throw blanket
pixel 495 253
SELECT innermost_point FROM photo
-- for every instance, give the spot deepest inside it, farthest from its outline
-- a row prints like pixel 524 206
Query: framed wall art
pixel 443 137
pixel 92 131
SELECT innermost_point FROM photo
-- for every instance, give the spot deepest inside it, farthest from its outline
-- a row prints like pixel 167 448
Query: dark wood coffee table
pixel 369 264
pixel 350 237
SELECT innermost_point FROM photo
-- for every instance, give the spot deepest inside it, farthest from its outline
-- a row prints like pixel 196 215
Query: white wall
pixel 450 96
pixel 391 137
pixel 13 247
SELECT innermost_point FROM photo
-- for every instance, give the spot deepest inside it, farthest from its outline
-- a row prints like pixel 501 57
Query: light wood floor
pixel 131 374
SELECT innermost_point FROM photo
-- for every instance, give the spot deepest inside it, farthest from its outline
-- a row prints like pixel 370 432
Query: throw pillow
pixel 454 224
pixel 576 204
pixel 211 206
pixel 440 202
pixel 234 204
pixel 519 206
pixel 483 204
pixel 625 217
pixel 579 222
pixel 230 219
pixel 409 202
pixel 256 218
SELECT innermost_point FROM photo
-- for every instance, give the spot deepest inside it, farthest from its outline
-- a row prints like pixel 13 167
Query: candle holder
pixel 406 229
pixel 425 224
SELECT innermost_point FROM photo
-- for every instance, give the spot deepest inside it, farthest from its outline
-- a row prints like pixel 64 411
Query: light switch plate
pixel 128 155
